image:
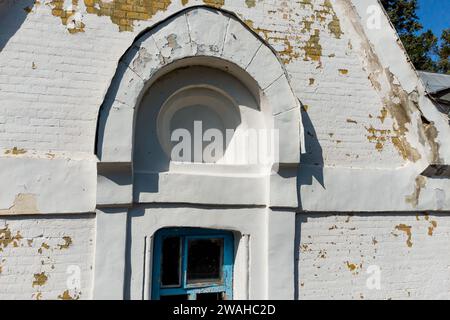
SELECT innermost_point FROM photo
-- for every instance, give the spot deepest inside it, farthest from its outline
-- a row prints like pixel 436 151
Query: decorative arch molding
pixel 259 208
pixel 181 41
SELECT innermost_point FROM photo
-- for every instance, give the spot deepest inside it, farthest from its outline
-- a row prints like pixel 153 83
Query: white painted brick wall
pixel 54 105
pixel 52 84
pixel 39 255
pixel 332 245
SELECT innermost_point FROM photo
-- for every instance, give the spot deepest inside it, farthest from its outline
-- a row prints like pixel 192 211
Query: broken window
pixel 192 264
pixel 171 262
pixel 201 267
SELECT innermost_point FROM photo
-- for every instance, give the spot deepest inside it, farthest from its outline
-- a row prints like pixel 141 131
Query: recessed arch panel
pixel 180 42
pixel 181 37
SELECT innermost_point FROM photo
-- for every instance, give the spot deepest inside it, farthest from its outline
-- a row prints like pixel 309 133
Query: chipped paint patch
pixel 313 49
pixel 413 199
pixel 70 16
pixel 433 225
pixel 67 243
pixel 214 3
pixel 306 43
pixel 37 296
pixel 400 108
pixel 43 246
pixel 431 134
pixel 7 238
pixel 322 254
pixel 66 296
pixel 288 54
pixel 383 114
pixel 250 3
pixel 15 151
pixel 307 24
pixel 30 274
pixel 400 105
pixel 335 25
pixel 40 279
pixel 407 230
pixel 405 150
pixel 24 203
pixel 122 13
pixel 378 136
pixel 327 13
pixel 352 267
pixel 305 247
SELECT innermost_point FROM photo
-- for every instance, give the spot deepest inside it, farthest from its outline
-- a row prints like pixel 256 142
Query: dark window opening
pixel 171 262
pixel 193 264
pixel 204 261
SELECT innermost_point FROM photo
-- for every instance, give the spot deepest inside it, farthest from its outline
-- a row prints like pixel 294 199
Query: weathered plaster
pixel 60 175
pixel 346 251
pixel 388 48
pixel 40 256
pixel 370 134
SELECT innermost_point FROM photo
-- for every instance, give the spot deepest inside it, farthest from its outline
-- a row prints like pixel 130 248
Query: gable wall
pixel 58 57
pixel 54 74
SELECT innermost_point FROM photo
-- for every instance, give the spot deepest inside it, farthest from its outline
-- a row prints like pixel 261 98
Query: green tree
pixel 444 52
pixel 403 14
pixel 421 46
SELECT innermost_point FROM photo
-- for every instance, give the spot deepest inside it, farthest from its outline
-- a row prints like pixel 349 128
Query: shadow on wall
pixel 105 109
pixel 299 220
pixel 311 163
pixel 136 212
pixel 12 14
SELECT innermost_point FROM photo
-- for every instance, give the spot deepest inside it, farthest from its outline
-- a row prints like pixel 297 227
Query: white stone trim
pixel 139 68
pixel 110 251
pixel 178 42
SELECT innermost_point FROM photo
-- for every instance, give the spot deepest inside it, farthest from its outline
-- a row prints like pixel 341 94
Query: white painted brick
pixel 19 262
pixel 54 106
pixel 416 272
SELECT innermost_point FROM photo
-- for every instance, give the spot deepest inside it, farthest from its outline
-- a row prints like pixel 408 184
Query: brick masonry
pixel 53 88
pixel 46 258
pixel 335 253
pixel 57 59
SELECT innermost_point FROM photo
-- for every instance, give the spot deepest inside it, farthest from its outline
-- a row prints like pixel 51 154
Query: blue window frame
pixel 193 264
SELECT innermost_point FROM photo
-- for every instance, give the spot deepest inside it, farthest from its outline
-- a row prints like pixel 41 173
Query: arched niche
pixel 213 98
pixel 228 53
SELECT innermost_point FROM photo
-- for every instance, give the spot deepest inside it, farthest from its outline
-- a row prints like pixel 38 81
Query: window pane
pixel 204 260
pixel 171 262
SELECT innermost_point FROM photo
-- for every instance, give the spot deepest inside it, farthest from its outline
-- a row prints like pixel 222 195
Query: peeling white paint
pixel 337 156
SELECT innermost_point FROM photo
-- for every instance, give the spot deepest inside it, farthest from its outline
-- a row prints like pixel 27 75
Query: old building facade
pixel 355 205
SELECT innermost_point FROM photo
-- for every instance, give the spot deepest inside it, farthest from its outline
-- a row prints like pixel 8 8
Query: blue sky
pixel 434 15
